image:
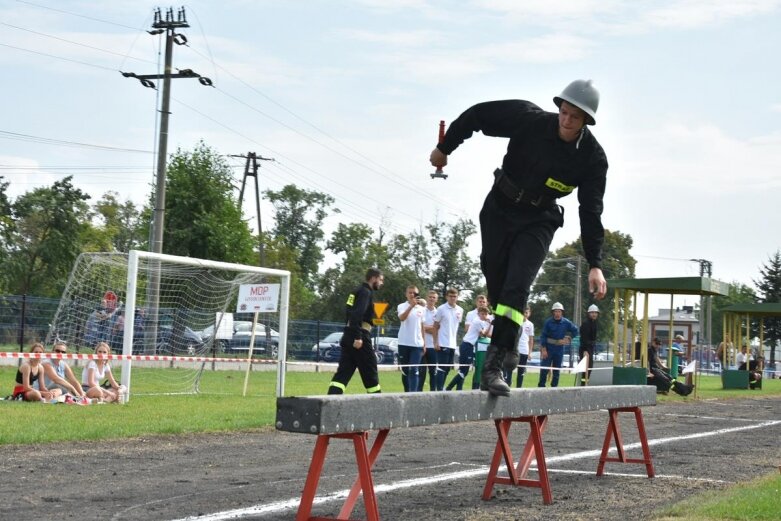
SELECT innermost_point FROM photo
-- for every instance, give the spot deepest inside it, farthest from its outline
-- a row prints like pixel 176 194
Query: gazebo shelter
pixel 736 324
pixel 633 370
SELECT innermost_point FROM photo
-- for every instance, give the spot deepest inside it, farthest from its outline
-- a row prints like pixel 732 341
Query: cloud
pixel 419 38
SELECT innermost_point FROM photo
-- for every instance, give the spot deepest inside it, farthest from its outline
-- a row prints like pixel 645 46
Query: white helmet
pixel 556 306
pixel 593 308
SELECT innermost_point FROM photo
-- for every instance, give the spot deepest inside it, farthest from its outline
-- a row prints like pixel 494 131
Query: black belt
pixel 518 195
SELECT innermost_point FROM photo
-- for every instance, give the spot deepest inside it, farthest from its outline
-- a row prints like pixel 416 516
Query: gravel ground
pixel 696 446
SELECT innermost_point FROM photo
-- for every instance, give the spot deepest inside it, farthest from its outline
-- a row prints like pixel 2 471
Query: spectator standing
pixel 480 302
pixel 412 314
pixel 446 322
pixel 429 361
pixel 479 328
pixel 589 330
pixel 525 348
pixel 557 332
pixel 356 343
pixel 548 156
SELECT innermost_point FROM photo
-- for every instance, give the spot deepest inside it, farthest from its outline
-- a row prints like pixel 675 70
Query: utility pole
pixel 252 163
pixel 169 27
pixel 706 304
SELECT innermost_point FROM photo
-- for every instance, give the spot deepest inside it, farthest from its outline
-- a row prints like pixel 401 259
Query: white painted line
pixel 279 506
pixel 717 418
pixel 642 476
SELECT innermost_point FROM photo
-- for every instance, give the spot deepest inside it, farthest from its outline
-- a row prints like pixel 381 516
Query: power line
pixel 75 43
pixel 60 142
pixel 58 57
pixel 75 14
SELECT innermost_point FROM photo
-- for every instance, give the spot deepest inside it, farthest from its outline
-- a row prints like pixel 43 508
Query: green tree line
pixel 44 230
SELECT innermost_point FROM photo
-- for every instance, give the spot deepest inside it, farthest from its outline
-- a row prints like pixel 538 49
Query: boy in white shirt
pixel 478 328
pixel 525 348
pixel 446 321
pixel 411 315
pixel 429 353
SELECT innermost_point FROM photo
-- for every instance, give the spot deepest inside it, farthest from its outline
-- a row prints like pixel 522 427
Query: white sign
pixel 258 298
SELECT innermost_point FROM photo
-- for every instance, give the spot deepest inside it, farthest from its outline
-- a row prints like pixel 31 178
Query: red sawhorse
pixel 364 459
pixel 534 450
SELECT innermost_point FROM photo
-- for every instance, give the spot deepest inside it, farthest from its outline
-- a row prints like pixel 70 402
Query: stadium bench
pixel 354 416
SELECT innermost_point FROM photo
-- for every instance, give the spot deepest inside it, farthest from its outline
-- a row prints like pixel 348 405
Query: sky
pixel 346 98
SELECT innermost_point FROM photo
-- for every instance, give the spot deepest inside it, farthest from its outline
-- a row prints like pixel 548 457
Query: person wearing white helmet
pixel 589 330
pixel 549 156
pixel 557 332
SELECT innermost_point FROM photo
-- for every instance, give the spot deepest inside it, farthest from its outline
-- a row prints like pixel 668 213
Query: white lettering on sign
pixel 258 298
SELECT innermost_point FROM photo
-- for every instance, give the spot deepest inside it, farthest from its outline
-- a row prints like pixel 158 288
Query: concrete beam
pixel 363 412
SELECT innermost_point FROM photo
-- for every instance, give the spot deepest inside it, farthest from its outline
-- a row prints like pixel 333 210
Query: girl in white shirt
pixel 97 370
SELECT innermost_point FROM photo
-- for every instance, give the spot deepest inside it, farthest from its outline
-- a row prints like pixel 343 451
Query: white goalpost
pixel 171 307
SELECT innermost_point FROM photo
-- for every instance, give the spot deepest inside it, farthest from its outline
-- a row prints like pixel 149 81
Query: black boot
pixel 681 388
pixel 492 379
pixel 511 360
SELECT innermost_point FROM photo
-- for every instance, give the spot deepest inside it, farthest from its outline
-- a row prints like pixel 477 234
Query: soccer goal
pixel 145 303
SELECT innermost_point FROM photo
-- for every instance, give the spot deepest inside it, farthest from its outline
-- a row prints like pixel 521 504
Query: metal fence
pixel 26 319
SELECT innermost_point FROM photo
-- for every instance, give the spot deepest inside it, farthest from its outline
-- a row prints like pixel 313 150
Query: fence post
pixel 21 323
pixel 317 351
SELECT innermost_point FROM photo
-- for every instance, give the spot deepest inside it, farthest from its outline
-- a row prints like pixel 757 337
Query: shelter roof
pixel 672 285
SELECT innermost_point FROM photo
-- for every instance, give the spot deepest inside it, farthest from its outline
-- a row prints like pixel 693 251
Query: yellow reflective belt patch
pixel 351 299
pixel 508 312
pixel 374 389
pixel 558 186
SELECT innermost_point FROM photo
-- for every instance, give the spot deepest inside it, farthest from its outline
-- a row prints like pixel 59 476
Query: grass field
pixel 758 500
pixel 219 407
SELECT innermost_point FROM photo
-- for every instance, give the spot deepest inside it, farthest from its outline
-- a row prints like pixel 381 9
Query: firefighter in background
pixel 548 156
pixel 557 332
pixel 588 340
pixel 356 342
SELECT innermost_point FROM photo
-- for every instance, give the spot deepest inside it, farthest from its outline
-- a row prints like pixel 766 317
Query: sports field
pixel 215 456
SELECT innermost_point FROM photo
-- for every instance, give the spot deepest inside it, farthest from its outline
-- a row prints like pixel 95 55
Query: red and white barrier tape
pixel 135 358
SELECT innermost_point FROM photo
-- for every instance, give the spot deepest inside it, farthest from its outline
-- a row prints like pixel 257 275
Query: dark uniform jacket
pixel 360 312
pixel 540 162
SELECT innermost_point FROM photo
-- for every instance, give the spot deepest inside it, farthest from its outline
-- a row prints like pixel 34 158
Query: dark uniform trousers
pixel 516 238
pixel 351 359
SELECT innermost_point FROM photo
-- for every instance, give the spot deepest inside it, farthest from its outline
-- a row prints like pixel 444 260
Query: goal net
pixel 167 306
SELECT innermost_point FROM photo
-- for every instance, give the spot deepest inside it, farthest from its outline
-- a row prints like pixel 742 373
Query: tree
pixel 556 281
pixel 202 215
pixel 6 230
pixel 120 221
pixel 280 256
pixel 46 238
pixel 738 294
pixel 299 216
pixel 769 287
pixel 452 266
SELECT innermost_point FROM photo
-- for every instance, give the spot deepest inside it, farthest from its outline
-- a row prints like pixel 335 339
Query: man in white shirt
pixel 479 328
pixel 525 348
pixel 429 353
pixel 481 301
pixel 446 321
pixel 411 315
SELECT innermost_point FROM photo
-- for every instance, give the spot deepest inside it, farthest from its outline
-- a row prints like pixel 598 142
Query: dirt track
pixel 165 478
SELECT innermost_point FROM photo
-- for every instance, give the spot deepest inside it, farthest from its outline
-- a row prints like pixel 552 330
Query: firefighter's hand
pixel 567 340
pixel 597 285
pixel 357 343
pixel 438 158
pixel 543 353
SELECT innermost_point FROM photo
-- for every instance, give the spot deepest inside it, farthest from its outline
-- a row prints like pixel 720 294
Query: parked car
pixel 386 349
pixel 190 342
pixel 326 344
pixel 242 332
